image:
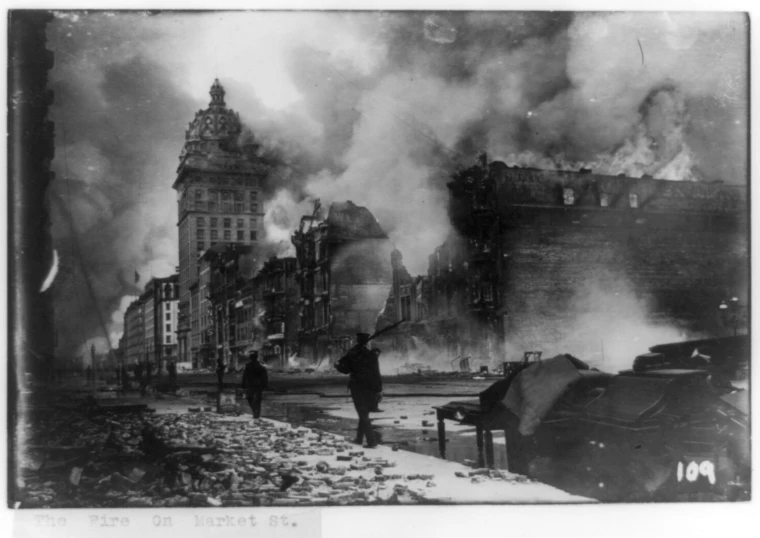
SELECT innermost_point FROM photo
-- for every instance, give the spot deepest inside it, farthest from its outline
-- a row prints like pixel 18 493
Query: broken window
pixel 569 196
pixel 604 199
pixel 633 200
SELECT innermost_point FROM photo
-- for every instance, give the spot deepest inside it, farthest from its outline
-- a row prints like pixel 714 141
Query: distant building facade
pixel 344 276
pixel 218 199
pixel 134 333
pixel 160 304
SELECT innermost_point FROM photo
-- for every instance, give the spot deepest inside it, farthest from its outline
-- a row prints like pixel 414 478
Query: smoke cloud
pixel 378 108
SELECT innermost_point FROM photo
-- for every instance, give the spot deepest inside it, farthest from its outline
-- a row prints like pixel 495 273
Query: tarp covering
pixel 537 388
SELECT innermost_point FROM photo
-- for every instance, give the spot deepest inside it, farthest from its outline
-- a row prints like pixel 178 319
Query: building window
pixel 633 200
pixel 227 235
pixel 200 222
pixel 240 235
pixel 168 339
pixel 200 246
pixel 227 202
pixel 168 328
pixel 168 316
pixel 213 222
pixel 198 194
pixel 253 224
pixel 214 235
pixel 228 223
pixel 569 196
pixel 201 234
pixel 253 235
pixel 604 199
pixel 240 223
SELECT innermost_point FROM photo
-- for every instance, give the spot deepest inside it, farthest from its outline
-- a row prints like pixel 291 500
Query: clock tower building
pixel 218 202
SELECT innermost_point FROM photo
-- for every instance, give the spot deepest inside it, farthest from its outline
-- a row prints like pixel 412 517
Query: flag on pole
pixel 137 277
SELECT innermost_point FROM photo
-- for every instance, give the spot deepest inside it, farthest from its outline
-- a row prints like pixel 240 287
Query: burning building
pixel 276 293
pixel 344 276
pixel 577 262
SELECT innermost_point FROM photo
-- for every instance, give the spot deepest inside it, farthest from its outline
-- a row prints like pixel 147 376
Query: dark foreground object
pixel 661 435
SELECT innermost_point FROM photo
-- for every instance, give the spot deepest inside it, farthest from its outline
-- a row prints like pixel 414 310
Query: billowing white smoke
pixel 372 99
pixel 282 215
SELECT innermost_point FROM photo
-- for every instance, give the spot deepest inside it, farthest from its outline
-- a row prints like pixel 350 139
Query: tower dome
pixel 214 128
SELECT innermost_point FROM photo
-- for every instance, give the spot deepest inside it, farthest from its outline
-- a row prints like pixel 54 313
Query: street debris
pixel 197 459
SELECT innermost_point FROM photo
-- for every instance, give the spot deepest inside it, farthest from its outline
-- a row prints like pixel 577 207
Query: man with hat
pixel 365 385
pixel 255 380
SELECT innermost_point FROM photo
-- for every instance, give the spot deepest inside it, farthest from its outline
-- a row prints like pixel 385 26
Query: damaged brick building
pixel 557 260
pixel 344 274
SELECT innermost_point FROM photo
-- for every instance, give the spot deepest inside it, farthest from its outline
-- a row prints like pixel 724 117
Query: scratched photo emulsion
pixel 307 258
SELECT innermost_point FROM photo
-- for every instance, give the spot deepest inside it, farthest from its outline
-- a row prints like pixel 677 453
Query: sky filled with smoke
pixel 370 107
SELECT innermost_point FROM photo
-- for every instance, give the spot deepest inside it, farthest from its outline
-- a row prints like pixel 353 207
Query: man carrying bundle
pixel 365 384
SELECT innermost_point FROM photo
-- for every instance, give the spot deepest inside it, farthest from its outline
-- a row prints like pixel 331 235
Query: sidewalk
pixel 174 457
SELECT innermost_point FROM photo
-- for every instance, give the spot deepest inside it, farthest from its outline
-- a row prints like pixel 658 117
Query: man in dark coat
pixel 255 380
pixel 220 372
pixel 171 368
pixel 365 385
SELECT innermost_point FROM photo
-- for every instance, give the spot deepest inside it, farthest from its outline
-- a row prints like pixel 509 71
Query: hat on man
pixel 253 354
pixel 362 338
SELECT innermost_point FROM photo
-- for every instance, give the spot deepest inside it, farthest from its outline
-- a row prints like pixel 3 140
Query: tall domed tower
pixel 218 197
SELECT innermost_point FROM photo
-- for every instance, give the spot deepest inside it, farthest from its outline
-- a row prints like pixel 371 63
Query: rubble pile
pixel 69 459
pixel 201 459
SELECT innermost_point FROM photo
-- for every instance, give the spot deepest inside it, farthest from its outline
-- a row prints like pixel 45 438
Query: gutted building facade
pixel 344 275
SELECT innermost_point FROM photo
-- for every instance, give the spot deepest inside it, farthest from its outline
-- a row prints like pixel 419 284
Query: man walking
pixel 171 368
pixel 220 373
pixel 365 385
pixel 255 380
